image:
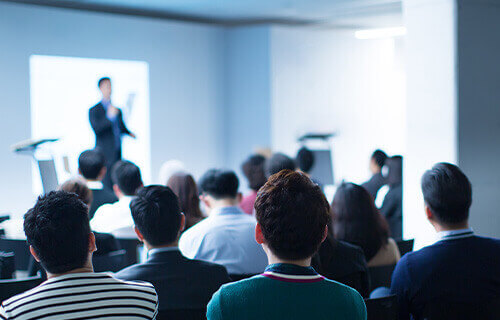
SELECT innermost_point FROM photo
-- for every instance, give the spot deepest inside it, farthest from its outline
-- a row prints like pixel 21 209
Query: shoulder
pixel 208 267
pixel 138 286
pixel 96 107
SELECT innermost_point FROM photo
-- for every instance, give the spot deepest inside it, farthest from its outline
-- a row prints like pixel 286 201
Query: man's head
pixel 58 232
pixel 219 188
pixel 377 161
pixel 253 168
pixel 305 159
pixel 157 216
pixel 126 178
pixel 104 85
pixel 447 195
pixel 278 162
pixel 78 187
pixel 92 165
pixel 292 214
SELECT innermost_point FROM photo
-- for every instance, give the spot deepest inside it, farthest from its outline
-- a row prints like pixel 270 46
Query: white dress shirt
pixel 226 237
pixel 115 218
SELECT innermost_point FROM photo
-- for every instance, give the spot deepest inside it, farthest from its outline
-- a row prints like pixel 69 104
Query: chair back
pixel 384 308
pixel 130 246
pixel 405 246
pixel 381 276
pixel 113 261
pixel 20 249
pixel 12 287
pixel 182 314
pixel 7 265
pixel 440 310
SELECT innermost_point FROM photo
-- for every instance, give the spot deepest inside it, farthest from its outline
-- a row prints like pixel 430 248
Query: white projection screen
pixel 63 89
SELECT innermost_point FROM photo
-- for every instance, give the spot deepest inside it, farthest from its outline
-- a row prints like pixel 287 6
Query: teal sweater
pixel 286 292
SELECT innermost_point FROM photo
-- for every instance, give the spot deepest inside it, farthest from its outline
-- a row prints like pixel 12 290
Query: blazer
pixel 181 283
pixel 392 209
pixel 100 197
pixel 374 184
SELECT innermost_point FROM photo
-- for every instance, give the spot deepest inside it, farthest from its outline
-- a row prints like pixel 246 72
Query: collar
pixel 455 234
pixel 160 250
pixel 292 273
pixel 105 103
pixel 126 199
pixel 222 211
pixel 95 185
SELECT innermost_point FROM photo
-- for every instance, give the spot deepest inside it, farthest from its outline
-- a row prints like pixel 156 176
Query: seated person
pixel 253 169
pixel 226 237
pixel 392 206
pixel 278 162
pixel 184 187
pixel 181 283
pixel 116 218
pixel 92 167
pixel 58 232
pixel 358 221
pixel 461 266
pixel 292 215
pixel 377 161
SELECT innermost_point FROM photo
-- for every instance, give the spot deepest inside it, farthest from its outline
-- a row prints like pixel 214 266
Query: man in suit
pixel 181 283
pixel 92 167
pixel 377 180
pixel 107 122
pixel 460 267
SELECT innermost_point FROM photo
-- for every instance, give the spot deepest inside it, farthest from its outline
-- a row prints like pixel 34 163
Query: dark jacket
pixel 392 209
pixel 100 197
pixel 374 184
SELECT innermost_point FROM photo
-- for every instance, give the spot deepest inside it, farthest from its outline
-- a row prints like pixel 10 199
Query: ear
pixel 325 234
pixel 80 171
pixel 117 191
pixel 205 199
pixel 102 173
pixel 259 237
pixel 183 222
pixel 239 197
pixel 92 245
pixel 428 213
pixel 139 234
pixel 33 253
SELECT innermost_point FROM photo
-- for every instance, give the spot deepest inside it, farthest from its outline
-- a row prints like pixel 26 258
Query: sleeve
pixel 98 123
pixel 388 206
pixel 123 127
pixel 360 307
pixel 400 286
pixel 214 308
pixel 3 313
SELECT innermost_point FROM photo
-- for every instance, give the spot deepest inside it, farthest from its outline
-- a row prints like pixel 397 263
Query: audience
pixel 253 169
pixel 392 207
pixel 292 215
pixel 181 283
pixel 278 162
pixel 92 167
pixel 305 160
pixel 226 237
pixel 461 267
pixel 377 161
pixel 184 186
pixel 58 232
pixel 116 218
pixel 358 221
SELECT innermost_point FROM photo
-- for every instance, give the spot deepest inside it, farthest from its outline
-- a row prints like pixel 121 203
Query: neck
pixel 223 203
pixel 451 227
pixel 170 245
pixel 86 269
pixel 273 259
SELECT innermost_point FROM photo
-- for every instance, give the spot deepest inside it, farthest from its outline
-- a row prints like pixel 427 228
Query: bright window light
pixel 380 33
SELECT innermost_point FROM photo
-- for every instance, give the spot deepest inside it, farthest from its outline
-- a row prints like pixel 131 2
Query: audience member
pixel 92 167
pixel 278 162
pixel 377 161
pixel 305 160
pixel 227 236
pixel 392 207
pixel 253 169
pixel 58 232
pixel 181 283
pixel 116 218
pixel 461 267
pixel 358 221
pixel 292 215
pixel 184 186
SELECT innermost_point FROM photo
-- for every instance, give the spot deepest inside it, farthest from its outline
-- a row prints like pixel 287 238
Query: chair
pixel 20 249
pixel 380 276
pixel 405 246
pixel 238 277
pixel 7 265
pixel 12 287
pixel 130 246
pixel 440 310
pixel 113 261
pixel 385 308
pixel 182 314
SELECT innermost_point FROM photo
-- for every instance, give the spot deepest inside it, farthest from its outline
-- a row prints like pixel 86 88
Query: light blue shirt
pixel 226 237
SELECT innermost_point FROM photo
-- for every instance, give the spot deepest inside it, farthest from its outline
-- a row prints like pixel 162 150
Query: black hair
pixel 90 163
pixel 99 83
pixel 278 162
pixel 219 184
pixel 379 157
pixel 305 159
pixel 253 169
pixel 157 214
pixel 447 192
pixel 127 176
pixel 292 212
pixel 58 229
pixel 395 172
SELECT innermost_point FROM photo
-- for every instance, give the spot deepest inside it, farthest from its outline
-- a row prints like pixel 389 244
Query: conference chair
pixel 384 308
pixel 20 249
pixel 131 247
pixel 12 287
pixel 113 261
pixel 7 265
pixel 440 310
pixel 381 276
pixel 182 314
pixel 405 246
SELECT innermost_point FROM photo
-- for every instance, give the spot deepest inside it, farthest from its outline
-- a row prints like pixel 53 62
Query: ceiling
pixel 233 12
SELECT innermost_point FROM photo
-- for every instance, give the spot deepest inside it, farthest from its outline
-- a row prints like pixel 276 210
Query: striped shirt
pixel 83 296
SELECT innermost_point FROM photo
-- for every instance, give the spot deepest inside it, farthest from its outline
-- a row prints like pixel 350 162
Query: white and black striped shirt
pixel 83 296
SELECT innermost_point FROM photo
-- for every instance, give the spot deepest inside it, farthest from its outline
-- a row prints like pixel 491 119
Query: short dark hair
pixel 78 187
pixel 305 159
pixel 292 212
pixel 90 163
pixel 127 176
pixel 278 162
pixel 379 157
pixel 102 80
pixel 219 183
pixel 58 229
pixel 253 169
pixel 448 193
pixel 157 214
pixel 395 170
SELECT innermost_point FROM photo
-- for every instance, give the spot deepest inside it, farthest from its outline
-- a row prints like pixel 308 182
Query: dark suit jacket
pixel 392 209
pixel 343 262
pixel 374 184
pixel 100 197
pixel 181 283
pixel 458 270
